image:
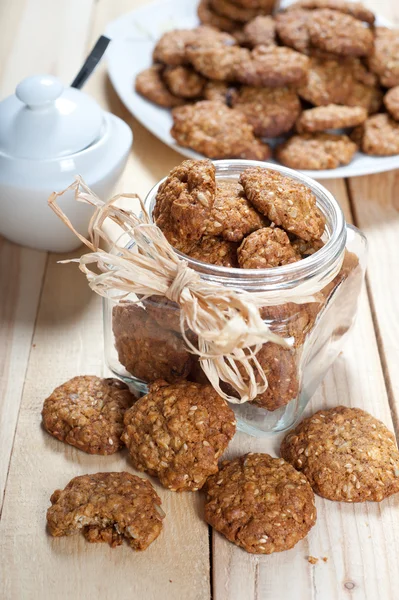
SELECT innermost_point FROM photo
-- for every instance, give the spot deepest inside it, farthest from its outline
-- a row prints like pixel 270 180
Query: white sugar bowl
pixel 48 135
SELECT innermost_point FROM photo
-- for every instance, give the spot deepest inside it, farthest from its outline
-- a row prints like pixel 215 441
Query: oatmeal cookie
pixel 292 29
pixel 266 6
pixel 355 9
pixel 165 312
pixel 208 16
pixel 145 349
pixel 215 251
pixel 87 412
pixel 217 131
pixel 365 96
pixel 272 66
pixel 285 202
pixel 233 217
pixel 184 202
pixel 260 503
pixel 260 31
pixel 184 82
pixel 235 12
pixel 266 248
pixel 217 62
pixel 149 83
pixel 295 321
pixel 107 507
pixel 304 248
pixel 218 91
pixel 339 33
pixel 178 432
pixel 316 151
pixel 391 101
pixel 378 136
pixel 384 60
pixel 171 47
pixel 346 454
pixel 332 116
pixel 271 111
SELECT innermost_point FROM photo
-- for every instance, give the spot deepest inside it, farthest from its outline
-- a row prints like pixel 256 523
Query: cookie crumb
pixel 312 560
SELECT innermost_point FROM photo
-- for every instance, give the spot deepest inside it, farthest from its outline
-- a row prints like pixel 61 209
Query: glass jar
pixel 143 341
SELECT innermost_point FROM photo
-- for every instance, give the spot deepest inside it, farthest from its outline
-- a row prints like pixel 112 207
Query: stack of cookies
pixel 319 80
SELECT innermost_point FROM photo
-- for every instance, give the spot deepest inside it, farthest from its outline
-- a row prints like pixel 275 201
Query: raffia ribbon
pixel 226 321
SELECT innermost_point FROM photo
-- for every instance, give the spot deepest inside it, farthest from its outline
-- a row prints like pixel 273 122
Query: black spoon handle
pixel 91 62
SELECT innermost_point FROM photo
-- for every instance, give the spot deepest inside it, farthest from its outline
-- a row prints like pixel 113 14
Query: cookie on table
pixel 215 251
pixel 178 432
pixel 217 131
pixel 149 83
pixel 355 9
pixel 210 17
pixel 171 47
pixel 233 217
pixel 384 60
pixel 184 202
pixel 273 66
pixel 332 116
pixel 271 111
pixel 145 349
pixel 260 503
pixel 266 248
pixel 284 201
pixel 260 31
pixel 292 29
pixel 184 82
pixel 391 101
pixel 107 507
pixel 339 33
pixel 87 412
pixel 346 454
pixel 316 151
pixel 378 135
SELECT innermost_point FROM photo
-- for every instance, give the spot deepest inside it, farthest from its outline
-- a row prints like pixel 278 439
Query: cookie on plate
pixel 284 201
pixel 384 60
pixel 316 151
pixel 218 62
pixel 234 11
pixel 339 33
pixel 260 503
pixel 378 136
pixel 87 412
pixel 260 31
pixel 218 91
pixel 184 82
pixel 355 9
pixel 391 101
pixel 273 66
pixel 292 29
pixel 215 251
pixel 178 432
pixel 208 16
pixel 332 116
pixel 149 83
pixel 346 454
pixel 266 248
pixel 107 507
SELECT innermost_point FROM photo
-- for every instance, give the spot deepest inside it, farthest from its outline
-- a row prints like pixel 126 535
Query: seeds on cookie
pixel 149 83
pixel 107 507
pixel 331 116
pixel 260 503
pixel 378 135
pixel 316 151
pixel 184 82
pixel 87 412
pixel 266 248
pixel 178 432
pixel 346 454
pixel 215 251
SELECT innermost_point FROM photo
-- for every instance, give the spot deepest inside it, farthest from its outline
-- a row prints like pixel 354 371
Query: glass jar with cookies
pixel 271 234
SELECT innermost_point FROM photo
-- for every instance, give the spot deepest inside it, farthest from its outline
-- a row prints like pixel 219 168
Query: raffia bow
pixel 226 321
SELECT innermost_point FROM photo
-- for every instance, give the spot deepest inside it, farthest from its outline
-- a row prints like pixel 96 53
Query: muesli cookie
pixel 184 82
pixel 378 136
pixel 391 101
pixel 149 83
pixel 384 60
pixel 346 454
pixel 292 29
pixel 260 503
pixel 178 432
pixel 272 66
pixel 107 507
pixel 215 251
pixel 146 350
pixel 266 6
pixel 87 412
pixel 306 248
pixel 218 62
pixel 355 9
pixel 271 111
pixel 233 217
pixel 184 202
pixel 260 31
pixel 171 47
pixel 285 202
pixel 339 33
pixel 266 248
pixel 316 151
pixel 208 16
pixel 332 116
pixel 217 131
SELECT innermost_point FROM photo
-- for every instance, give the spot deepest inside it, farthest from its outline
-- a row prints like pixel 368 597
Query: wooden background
pixel 50 330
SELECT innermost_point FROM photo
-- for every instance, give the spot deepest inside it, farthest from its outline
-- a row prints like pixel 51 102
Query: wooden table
pixel 50 330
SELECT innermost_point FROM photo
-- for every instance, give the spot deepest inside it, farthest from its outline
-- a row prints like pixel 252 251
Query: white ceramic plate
pixel 134 36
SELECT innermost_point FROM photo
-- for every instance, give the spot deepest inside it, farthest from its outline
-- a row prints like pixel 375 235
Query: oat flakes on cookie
pixel 272 66
pixel 260 503
pixel 107 507
pixel 271 111
pixel 384 60
pixel 149 83
pixel 260 31
pixel 266 248
pixel 355 9
pixel 217 131
pixel 285 202
pixel 184 82
pixel 346 454
pixel 215 251
pixel 145 349
pixel 391 101
pixel 87 412
pixel 378 135
pixel 316 151
pixel 178 432
pixel 332 116
pixel 339 33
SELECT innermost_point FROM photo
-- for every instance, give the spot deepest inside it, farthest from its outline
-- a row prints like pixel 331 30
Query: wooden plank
pixel 358 540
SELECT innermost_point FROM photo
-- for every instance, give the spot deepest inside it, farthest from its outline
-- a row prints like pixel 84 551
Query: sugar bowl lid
pixel 44 120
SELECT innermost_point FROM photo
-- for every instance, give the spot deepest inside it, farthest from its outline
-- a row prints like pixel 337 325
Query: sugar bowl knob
pixel 39 91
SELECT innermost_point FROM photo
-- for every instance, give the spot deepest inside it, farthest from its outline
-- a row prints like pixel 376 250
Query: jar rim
pixel 292 274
